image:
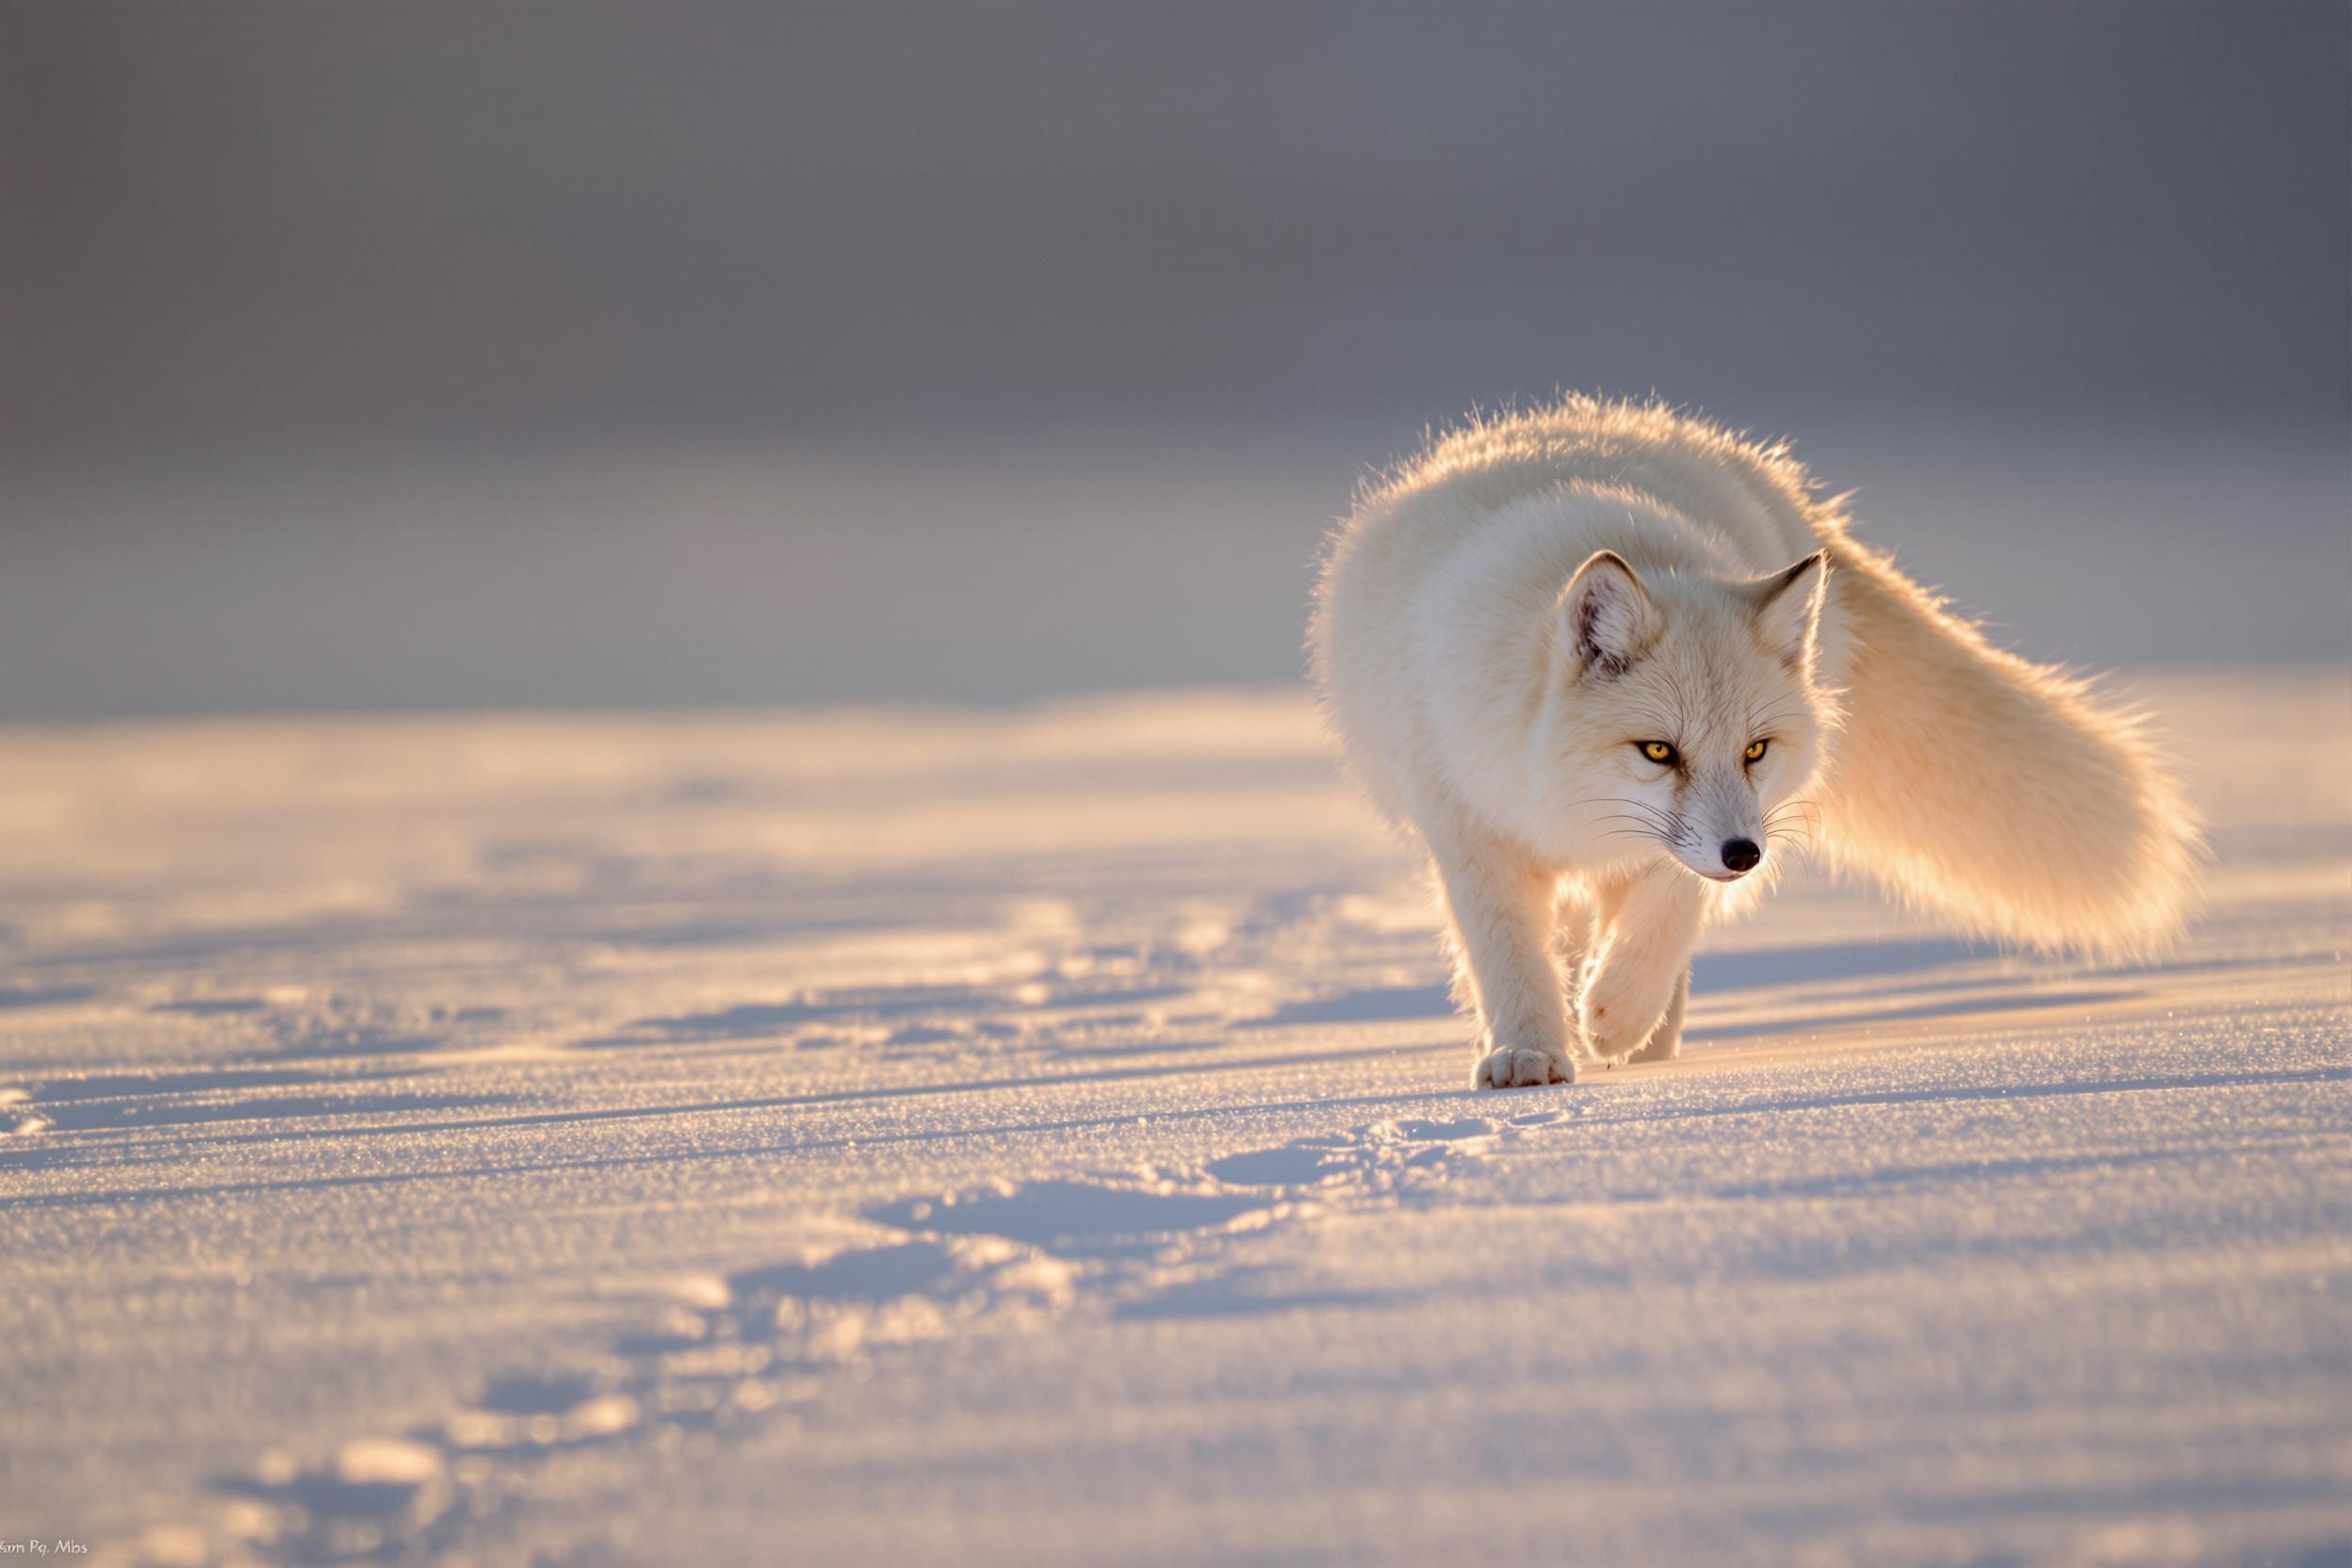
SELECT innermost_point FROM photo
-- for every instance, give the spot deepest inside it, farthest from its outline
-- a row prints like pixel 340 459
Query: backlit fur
pixel 1500 624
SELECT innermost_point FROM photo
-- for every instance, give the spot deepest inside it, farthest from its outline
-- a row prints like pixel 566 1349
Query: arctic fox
pixel 1606 660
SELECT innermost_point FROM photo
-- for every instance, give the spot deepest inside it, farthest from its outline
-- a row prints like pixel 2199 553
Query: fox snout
pixel 1732 860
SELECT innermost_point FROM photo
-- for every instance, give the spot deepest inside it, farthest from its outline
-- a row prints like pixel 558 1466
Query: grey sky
pixel 449 218
pixel 466 353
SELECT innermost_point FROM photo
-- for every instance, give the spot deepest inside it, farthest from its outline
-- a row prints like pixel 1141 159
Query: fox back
pixel 1503 623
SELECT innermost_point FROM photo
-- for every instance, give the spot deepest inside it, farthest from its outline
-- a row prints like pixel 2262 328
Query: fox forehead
pixel 1705 684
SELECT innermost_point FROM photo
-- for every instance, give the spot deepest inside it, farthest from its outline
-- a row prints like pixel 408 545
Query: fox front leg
pixel 1502 911
pixel 1641 962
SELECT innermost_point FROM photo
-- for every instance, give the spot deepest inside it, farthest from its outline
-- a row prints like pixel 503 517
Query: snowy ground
pixel 906 1138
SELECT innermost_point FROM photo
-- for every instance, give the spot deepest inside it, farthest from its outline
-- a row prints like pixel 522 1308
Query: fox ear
pixel 1605 617
pixel 1788 609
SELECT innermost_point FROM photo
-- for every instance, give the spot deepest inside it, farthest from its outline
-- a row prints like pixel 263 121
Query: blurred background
pixel 465 354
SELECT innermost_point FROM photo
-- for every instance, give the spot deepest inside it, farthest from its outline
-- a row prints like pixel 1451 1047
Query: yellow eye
pixel 1658 751
pixel 1755 752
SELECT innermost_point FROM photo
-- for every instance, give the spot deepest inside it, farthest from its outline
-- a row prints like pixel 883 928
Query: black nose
pixel 1740 854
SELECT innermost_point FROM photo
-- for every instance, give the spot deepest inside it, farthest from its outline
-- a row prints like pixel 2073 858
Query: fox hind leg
pixel 1666 1041
pixel 1576 932
pixel 1643 962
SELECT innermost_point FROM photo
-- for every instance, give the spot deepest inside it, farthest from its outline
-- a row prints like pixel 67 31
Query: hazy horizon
pixel 599 355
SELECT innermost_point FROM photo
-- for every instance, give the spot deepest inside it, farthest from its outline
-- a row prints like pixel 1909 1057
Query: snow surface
pixel 912 1137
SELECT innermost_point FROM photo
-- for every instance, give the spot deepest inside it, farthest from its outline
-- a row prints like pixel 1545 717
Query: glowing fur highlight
pixel 1503 622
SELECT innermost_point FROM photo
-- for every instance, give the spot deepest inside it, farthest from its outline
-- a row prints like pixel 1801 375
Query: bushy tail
pixel 2008 794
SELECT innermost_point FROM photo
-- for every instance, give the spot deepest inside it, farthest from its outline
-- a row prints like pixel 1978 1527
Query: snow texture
pixel 901 1136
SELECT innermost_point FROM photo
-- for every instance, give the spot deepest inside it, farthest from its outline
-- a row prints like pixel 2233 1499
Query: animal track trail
pixel 1372 1160
pixel 1077 1218
pixel 714 1356
pixel 1181 1245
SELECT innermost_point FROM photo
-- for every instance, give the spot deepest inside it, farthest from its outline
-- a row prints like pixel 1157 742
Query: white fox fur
pixel 1503 626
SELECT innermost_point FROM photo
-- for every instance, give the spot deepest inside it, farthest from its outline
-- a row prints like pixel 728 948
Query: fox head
pixel 1681 711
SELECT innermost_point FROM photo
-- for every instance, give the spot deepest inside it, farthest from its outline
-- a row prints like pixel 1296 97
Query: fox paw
pixel 1664 1047
pixel 1513 1067
pixel 1607 1041
pixel 1601 1050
